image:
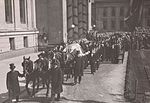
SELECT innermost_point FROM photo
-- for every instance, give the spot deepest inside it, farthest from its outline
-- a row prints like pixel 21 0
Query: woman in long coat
pixel 12 83
pixel 57 79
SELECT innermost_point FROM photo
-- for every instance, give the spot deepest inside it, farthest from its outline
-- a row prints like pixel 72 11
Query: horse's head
pixel 25 61
pixel 38 65
pixel 51 55
pixel 27 64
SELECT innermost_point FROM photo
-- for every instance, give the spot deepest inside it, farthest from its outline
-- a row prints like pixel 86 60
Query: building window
pixel 12 43
pixel 113 11
pixel 22 11
pixel 121 11
pixel 148 11
pixel 104 24
pixel 25 40
pixel 121 25
pixel 113 24
pixel 104 12
pixel 148 22
pixel 8 11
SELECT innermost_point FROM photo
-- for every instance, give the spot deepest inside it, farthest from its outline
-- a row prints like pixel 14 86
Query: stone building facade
pixel 146 14
pixel 63 19
pixel 18 33
pixel 110 14
pixel 77 15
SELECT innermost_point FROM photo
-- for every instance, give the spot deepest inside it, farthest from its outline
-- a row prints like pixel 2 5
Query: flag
pixel 134 17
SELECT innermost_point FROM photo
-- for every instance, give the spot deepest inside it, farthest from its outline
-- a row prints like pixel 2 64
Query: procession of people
pixel 69 60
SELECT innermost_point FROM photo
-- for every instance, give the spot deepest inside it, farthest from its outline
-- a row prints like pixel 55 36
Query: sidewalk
pixel 4 64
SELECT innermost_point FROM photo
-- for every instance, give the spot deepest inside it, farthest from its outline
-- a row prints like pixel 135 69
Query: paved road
pixel 105 86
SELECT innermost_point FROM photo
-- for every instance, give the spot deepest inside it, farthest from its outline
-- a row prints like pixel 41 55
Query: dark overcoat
pixel 57 79
pixel 12 83
pixel 78 69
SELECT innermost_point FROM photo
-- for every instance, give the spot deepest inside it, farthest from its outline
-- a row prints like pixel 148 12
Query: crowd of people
pixel 111 44
pixel 141 38
pixel 94 49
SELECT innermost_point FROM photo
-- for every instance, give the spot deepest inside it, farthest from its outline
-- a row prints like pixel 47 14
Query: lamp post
pixel 73 26
pixel 94 27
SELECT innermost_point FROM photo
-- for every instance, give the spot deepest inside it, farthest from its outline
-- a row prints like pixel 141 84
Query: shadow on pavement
pixel 63 100
pixel 36 99
pixel 3 97
pixel 69 84
pixel 87 72
pixel 83 101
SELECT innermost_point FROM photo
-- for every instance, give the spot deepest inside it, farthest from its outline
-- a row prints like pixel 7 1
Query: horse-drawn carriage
pixel 36 71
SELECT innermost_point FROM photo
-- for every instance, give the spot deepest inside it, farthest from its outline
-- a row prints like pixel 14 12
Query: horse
pixel 64 59
pixel 30 74
pixel 36 74
pixel 69 63
pixel 44 73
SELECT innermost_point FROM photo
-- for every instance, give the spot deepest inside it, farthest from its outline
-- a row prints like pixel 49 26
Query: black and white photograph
pixel 74 51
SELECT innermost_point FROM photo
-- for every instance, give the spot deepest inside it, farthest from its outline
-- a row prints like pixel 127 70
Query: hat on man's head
pixel 12 66
pixel 55 62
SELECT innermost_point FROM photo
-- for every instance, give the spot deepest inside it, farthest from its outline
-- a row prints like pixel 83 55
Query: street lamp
pixel 94 27
pixel 73 26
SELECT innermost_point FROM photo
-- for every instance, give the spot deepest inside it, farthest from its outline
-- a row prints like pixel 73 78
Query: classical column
pixel 89 15
pixel 80 17
pixel 75 20
pixel 93 13
pixel 85 17
pixel 64 8
pixel 69 18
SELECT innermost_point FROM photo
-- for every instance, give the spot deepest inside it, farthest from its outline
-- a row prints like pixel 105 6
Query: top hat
pixel 12 66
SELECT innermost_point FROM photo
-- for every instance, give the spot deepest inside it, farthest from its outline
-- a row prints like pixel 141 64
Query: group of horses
pixel 39 71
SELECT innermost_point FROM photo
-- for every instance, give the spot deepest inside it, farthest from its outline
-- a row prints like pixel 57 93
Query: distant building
pixel 146 13
pixel 109 14
pixel 61 20
pixel 18 33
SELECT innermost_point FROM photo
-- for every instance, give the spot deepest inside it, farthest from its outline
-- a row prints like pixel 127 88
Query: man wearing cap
pixel 12 83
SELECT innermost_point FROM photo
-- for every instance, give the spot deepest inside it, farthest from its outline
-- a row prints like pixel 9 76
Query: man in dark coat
pixel 57 79
pixel 78 68
pixel 12 83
